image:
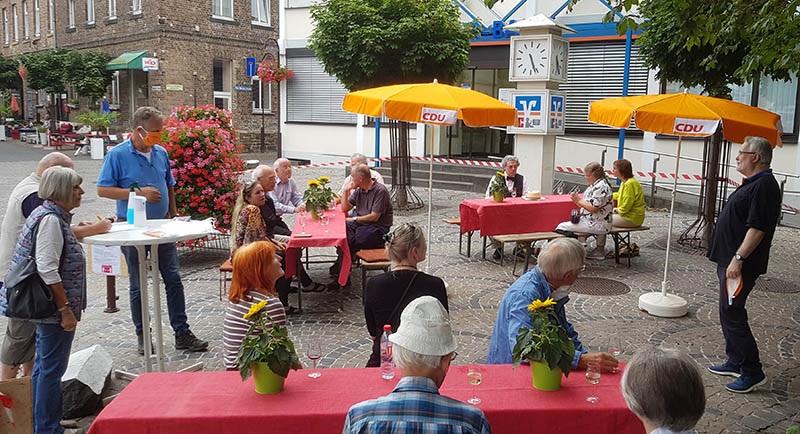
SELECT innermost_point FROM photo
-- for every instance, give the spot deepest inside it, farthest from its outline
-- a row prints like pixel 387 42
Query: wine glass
pixel 593 376
pixel 474 378
pixel 324 220
pixel 303 221
pixel 313 352
pixel 615 349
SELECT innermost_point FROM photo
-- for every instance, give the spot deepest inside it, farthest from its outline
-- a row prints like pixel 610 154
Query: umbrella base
pixel 669 306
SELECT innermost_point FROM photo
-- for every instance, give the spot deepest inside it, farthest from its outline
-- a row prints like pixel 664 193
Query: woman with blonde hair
pixel 389 293
pixel 256 269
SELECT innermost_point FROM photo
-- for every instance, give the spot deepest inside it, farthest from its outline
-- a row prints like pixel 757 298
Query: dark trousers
pixel 740 345
pixel 365 236
pixel 283 285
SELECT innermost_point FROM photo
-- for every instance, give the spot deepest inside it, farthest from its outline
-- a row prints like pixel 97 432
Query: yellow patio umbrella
pixel 684 114
pixel 430 103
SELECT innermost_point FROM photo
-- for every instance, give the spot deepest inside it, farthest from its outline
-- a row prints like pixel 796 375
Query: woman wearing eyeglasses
pixel 389 293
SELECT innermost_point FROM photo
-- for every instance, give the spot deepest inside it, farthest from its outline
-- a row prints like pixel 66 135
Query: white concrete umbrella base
pixel 663 305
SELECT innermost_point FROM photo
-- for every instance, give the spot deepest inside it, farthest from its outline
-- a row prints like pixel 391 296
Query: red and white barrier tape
pixel 435 159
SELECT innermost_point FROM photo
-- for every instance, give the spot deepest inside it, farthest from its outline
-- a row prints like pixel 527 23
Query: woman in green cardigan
pixel 629 212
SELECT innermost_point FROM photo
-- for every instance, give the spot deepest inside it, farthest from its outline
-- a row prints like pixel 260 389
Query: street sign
pixel 250 66
pixel 243 88
pixel 149 64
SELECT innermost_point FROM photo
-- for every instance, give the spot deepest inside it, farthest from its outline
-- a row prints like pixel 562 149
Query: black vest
pixel 517 186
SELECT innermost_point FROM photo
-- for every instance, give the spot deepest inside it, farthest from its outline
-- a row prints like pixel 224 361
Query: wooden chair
pixel 224 269
pixel 371 259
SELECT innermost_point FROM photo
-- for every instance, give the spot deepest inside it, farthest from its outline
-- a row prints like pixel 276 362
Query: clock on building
pixel 530 58
pixel 558 59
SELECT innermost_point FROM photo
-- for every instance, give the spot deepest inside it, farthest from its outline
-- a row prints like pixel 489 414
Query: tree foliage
pixel 52 70
pixel 9 74
pixel 46 70
pixel 366 43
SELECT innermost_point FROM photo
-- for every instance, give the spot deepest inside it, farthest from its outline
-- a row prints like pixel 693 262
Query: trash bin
pixel 96 146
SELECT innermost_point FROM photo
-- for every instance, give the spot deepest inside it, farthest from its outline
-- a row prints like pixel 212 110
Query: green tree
pixel 367 43
pixel 86 72
pixel 46 70
pixel 9 74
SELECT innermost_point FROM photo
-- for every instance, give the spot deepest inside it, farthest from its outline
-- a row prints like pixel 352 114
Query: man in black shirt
pixel 275 225
pixel 740 247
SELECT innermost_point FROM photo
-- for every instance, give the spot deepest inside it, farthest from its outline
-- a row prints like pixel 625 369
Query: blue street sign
pixel 250 66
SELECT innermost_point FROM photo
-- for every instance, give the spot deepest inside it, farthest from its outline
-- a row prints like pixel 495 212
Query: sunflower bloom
pixel 538 304
pixel 254 309
pixel 500 173
pixel 324 178
pixel 313 182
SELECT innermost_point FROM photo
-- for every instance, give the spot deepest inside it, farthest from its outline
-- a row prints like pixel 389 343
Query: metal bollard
pixel 111 295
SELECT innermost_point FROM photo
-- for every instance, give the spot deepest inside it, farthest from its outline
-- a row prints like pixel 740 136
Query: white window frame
pixel 112 9
pixel 113 103
pixel 6 34
pixel 256 13
pixel 16 22
pixel 218 9
pixel 136 7
pixel 71 9
pixel 226 95
pixel 26 28
pixel 37 19
pixel 257 86
pixel 90 12
pixel 51 11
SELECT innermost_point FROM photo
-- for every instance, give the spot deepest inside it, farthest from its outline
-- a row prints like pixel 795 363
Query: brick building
pixel 201 46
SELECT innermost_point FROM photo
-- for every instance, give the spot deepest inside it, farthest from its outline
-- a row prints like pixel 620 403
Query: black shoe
pixel 335 268
pixel 497 255
pixel 140 344
pixel 188 341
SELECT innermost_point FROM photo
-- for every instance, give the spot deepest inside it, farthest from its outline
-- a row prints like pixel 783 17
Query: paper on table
pixel 177 227
pixel 121 226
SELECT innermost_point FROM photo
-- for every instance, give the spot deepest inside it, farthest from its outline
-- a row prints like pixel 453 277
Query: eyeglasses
pixel 582 269
pixel 747 152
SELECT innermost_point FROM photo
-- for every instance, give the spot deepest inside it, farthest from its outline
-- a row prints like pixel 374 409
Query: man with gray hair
pixel 286 195
pixel 20 337
pixel 275 225
pixel 740 247
pixel 355 160
pixel 423 349
pixel 141 159
pixel 560 263
pixel 517 187
pixel 663 387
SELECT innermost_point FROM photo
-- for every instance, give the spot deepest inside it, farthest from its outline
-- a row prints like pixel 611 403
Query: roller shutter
pixel 313 95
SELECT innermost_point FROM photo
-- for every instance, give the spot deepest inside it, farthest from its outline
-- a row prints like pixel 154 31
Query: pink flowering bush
pixel 271 71
pixel 204 151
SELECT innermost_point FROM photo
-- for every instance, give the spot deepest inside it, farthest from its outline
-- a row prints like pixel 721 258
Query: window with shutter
pixel 314 96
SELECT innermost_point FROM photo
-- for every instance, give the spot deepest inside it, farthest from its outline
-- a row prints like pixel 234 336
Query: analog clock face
pixel 558 60
pixel 530 57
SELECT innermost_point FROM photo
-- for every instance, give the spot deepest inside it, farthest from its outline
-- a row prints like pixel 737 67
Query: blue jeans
pixel 53 345
pixel 168 266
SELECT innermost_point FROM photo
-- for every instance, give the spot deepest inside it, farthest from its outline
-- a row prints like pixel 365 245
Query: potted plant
pixel 99 121
pixel 73 102
pixel 271 71
pixel 43 135
pixel 546 346
pixel 318 196
pixel 499 189
pixel 266 352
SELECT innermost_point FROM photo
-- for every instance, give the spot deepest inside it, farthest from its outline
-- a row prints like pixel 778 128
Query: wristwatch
pixel 738 256
pixel 355 219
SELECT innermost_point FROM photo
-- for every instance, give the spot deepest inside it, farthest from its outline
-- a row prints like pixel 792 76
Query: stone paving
pixel 475 288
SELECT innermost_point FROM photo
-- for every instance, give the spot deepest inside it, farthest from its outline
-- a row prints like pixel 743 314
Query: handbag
pixel 28 296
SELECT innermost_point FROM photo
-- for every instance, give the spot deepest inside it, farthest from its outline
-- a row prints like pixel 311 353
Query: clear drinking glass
pixel 615 349
pixel 474 378
pixel 324 220
pixel 593 376
pixel 303 221
pixel 313 352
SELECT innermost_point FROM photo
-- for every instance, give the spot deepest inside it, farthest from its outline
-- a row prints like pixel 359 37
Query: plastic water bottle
pixel 387 367
pixel 131 197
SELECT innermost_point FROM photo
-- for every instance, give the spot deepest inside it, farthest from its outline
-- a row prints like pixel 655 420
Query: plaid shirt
pixel 415 406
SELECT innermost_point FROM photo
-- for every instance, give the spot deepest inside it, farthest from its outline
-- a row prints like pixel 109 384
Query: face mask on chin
pixel 560 292
pixel 151 139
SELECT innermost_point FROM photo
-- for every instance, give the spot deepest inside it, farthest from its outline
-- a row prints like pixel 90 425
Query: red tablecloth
pixel 515 215
pixel 218 402
pixel 335 237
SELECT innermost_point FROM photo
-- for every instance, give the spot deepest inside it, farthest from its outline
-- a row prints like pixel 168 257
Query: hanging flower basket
pixel 271 71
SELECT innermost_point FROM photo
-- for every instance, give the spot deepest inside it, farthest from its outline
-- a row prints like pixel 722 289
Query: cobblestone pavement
pixel 475 288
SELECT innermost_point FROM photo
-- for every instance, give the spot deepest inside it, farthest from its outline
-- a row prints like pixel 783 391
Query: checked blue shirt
pixel 415 406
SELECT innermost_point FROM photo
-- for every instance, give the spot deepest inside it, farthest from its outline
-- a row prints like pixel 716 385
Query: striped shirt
pixel 415 406
pixel 235 327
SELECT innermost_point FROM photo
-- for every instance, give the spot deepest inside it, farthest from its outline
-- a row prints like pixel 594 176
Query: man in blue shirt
pixel 560 263
pixel 286 195
pixel 423 348
pixel 141 159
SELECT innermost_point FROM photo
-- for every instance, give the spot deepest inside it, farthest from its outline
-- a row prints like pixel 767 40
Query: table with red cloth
pixel 515 215
pixel 219 402
pixel 335 237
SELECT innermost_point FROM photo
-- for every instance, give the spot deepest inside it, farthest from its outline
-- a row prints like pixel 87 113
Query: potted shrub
pixel 99 121
pixel 43 135
pixel 266 352
pixel 546 346
pixel 73 103
pixel 499 188
pixel 318 196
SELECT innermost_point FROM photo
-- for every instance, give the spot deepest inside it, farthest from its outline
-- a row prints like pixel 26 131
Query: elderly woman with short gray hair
pixel 61 265
pixel 664 388
pixel 596 208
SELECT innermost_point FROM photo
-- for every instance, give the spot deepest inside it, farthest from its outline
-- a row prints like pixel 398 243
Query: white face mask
pixel 560 292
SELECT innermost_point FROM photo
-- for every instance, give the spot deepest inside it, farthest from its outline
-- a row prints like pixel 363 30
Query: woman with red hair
pixel 256 267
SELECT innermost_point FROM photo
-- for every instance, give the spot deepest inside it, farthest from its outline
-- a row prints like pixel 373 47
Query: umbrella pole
pixel 430 200
pixel 671 217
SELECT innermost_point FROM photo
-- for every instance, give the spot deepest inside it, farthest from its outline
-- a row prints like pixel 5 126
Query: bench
pixel 525 241
pixel 371 259
pixel 621 237
pixel 457 221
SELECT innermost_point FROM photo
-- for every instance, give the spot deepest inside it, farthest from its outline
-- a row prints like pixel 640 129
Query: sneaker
pixel 496 255
pixel 747 383
pixel 596 254
pixel 188 341
pixel 724 369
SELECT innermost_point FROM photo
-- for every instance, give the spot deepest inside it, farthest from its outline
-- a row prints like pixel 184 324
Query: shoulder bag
pixel 28 296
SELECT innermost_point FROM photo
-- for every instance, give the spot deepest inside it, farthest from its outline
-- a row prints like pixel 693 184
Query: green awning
pixel 132 60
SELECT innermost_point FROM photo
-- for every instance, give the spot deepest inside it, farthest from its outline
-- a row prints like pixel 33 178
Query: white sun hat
pixel 425 328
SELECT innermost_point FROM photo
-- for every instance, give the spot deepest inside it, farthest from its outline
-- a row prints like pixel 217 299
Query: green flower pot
pixel 265 380
pixel 498 197
pixel 314 214
pixel 545 378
